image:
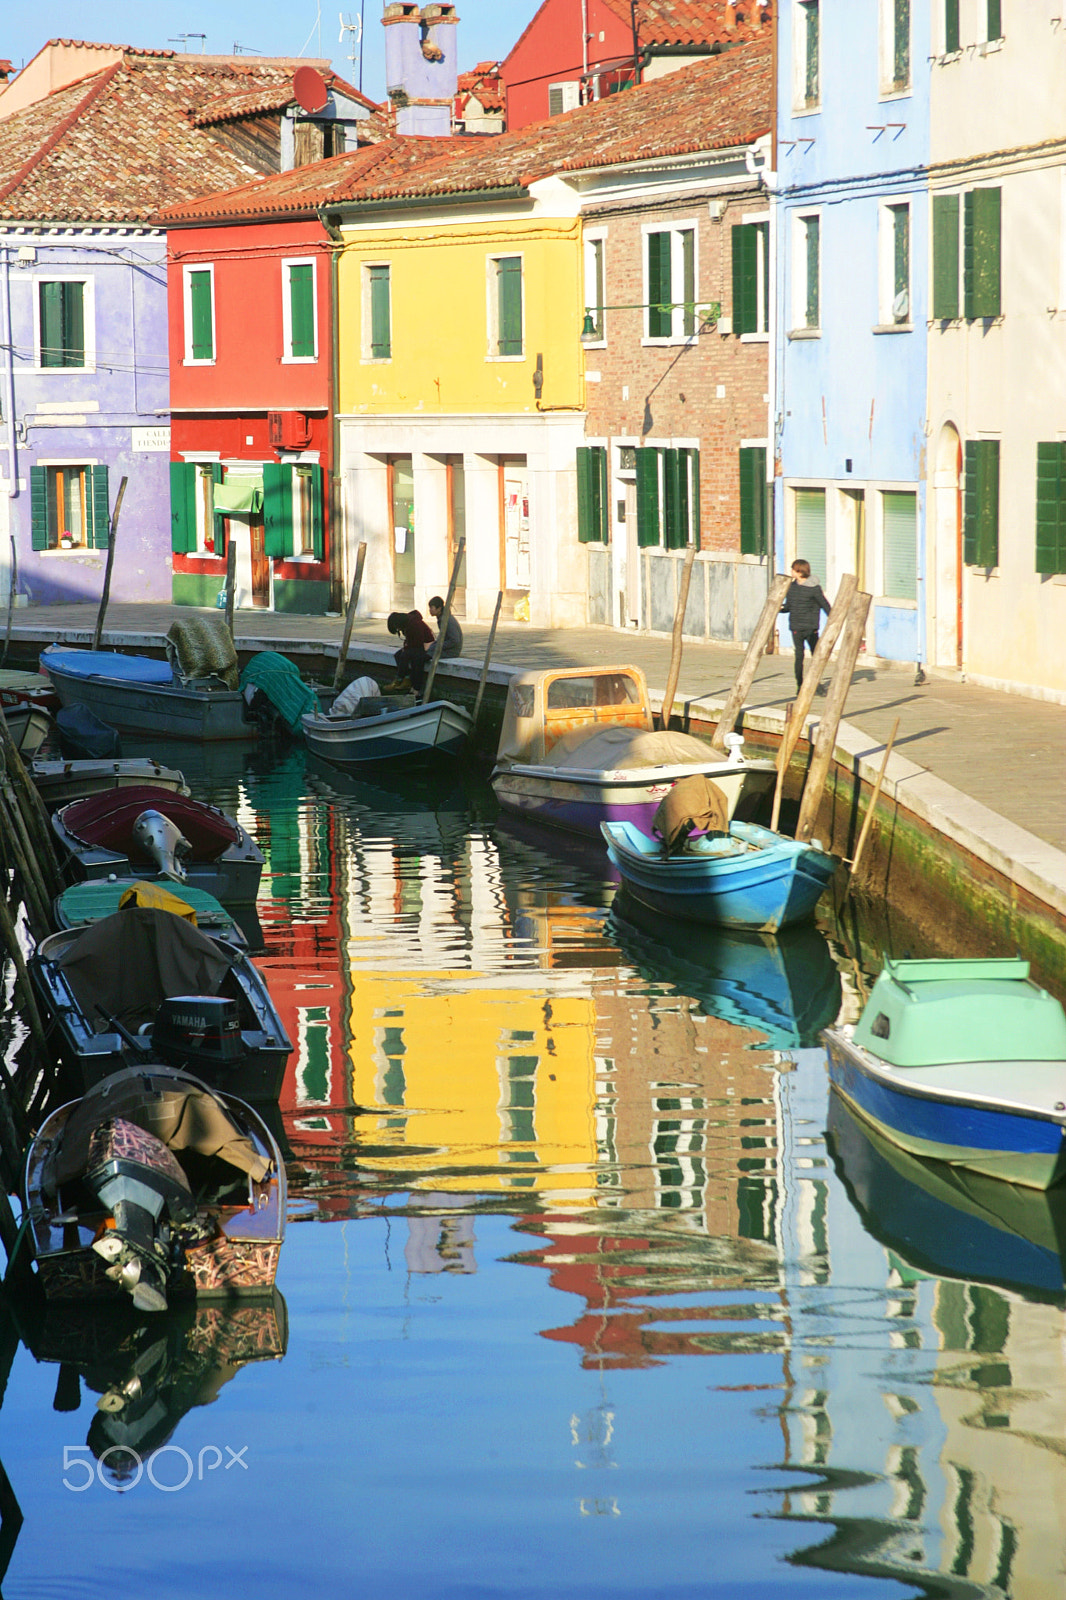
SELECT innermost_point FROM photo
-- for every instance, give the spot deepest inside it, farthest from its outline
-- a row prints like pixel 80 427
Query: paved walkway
pixel 1005 751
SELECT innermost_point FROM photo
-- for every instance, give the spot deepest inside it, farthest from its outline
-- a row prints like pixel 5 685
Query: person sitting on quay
pixel 411 657
pixel 453 634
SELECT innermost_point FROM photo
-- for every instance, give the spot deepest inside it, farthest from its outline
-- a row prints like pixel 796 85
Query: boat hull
pixel 59 782
pixel 580 801
pixel 765 890
pixel 29 727
pixel 411 736
pixel 154 710
pixel 1016 1142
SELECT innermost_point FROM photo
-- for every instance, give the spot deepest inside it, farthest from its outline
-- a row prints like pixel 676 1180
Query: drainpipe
pixel 584 49
pixel 336 541
pixel 9 377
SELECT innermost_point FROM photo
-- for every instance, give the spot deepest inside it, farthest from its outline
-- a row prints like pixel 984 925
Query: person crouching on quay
pixel 411 657
pixel 453 634
pixel 803 602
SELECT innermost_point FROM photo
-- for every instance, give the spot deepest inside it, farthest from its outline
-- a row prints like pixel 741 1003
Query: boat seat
pixel 714 844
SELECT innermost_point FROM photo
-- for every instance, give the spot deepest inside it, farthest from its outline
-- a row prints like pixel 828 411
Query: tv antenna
pixel 183 39
pixel 356 30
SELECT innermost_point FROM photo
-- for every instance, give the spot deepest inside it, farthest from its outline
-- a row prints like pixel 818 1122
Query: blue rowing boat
pixel 749 877
pixel 961 1061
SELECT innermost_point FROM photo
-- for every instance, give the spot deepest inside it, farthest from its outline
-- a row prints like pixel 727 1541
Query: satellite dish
pixel 309 87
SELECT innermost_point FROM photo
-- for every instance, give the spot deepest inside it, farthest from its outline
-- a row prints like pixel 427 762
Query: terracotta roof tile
pixel 681 22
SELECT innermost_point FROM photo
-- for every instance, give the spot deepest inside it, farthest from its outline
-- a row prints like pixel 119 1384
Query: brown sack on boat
pixel 693 805
pixel 132 961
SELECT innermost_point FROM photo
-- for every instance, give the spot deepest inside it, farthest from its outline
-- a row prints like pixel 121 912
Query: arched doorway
pixel 947 484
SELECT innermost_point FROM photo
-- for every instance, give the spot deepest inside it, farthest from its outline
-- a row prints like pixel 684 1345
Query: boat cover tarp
pixel 106 820
pixel 692 805
pixel 348 701
pixel 96 898
pixel 181 1114
pixel 131 962
pixel 611 749
pixel 106 664
pixel 141 893
pixel 84 737
pixel 202 647
pixel 279 679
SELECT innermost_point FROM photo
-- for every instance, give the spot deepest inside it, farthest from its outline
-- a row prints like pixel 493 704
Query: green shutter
pixel 753 501
pixel 182 506
pixel 900 545
pixel 216 525
pixel 318 524
pixel 746 277
pixel 995 20
pixel 38 508
pixel 981 503
pixel 901 44
pixel 901 261
pixel 946 256
pixel 813 301
pixel 98 532
pixel 694 458
pixel 301 309
pixel 981 252
pixel 73 324
pixel 1050 508
pixel 380 313
pixel 51 315
pixel 688 282
pixel 675 500
pixel 647 497
pixel 509 305
pixel 660 294
pixel 811 52
pixel 203 342
pixel 951 27
pixel 810 529
pixel 592 508
pixel 277 509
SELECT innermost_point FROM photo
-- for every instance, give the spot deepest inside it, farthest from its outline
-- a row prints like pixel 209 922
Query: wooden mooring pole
pixel 349 615
pixel 825 738
pixel 812 678
pixel 442 625
pixel 867 821
pixel 105 595
pixel 750 664
pixel 485 666
pixel 679 628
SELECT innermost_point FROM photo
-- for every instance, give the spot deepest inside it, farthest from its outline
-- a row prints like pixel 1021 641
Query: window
pixel 993 19
pixel 593 330
pixel 505 306
pixel 61 306
pixel 809 508
pixel 1051 508
pixel 69 507
pixel 952 43
pixel 194 528
pixel 592 520
pixel 981 253
pixel 563 97
pixel 753 500
pixel 199 285
pixel 805 44
pixel 895 46
pixel 668 497
pixel 300 324
pixel 895 266
pixel 670 283
pixel 751 277
pixel 806 272
pixel 946 257
pixel 980 514
pixel 292 510
pixel 899 545
pixel 377 312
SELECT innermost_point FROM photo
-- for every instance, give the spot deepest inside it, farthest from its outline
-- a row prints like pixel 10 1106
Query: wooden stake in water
pixel 349 615
pixel 825 739
pixel 105 595
pixel 867 821
pixel 812 678
pixel 679 626
pixel 750 664
pixel 231 585
pixel 443 623
pixel 485 664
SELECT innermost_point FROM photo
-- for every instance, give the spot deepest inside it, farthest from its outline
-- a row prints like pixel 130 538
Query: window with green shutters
pixel 981 253
pixel 668 496
pixel 301 310
pixel 900 545
pixel 951 27
pixel 1051 508
pixel 751 277
pixel 660 287
pixel 377 312
pixel 61 309
pixel 901 44
pixel 946 257
pixel 293 497
pixel 69 508
pixel 508 305
pixel 807 55
pixel 994 20
pixel 806 265
pixel 194 528
pixel 593 524
pixel 980 514
pixel 753 498
pixel 670 280
pixel 199 314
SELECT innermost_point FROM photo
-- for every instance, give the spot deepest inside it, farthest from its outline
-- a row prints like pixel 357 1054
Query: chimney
pixel 5 73
pixel 421 65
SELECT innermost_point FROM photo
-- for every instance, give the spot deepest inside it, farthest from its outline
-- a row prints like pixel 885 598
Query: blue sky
pixel 487 29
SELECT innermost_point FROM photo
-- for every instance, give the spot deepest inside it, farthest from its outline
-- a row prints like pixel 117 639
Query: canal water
pixel 587 1291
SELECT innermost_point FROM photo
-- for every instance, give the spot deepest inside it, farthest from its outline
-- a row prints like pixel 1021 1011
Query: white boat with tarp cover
pixel 963 1061
pixel 579 747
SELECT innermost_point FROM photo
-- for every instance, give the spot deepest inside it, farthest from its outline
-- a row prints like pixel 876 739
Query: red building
pixel 552 68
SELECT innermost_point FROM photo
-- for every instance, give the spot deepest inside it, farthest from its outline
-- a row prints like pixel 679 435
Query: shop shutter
pixel 753 504
pixel 745 278
pixel 981 503
pixel 277 509
pixel 981 253
pixel 810 530
pixel 647 497
pixel 660 294
pixel 302 309
pixel 38 508
pixel 98 532
pixel 946 256
pixel 900 541
pixel 1050 508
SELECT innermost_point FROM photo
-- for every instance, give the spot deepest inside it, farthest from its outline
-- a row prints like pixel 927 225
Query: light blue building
pixel 851 228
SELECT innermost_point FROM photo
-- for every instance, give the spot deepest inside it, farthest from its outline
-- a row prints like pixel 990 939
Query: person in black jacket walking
pixel 804 602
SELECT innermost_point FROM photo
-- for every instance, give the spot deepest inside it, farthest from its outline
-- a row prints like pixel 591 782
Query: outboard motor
pixel 162 842
pixel 136 1178
pixel 198 1031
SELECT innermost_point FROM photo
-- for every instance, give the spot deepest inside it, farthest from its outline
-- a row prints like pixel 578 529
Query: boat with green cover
pixel 963 1061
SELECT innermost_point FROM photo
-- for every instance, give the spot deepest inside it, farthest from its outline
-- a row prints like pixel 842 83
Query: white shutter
pixel 810 530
